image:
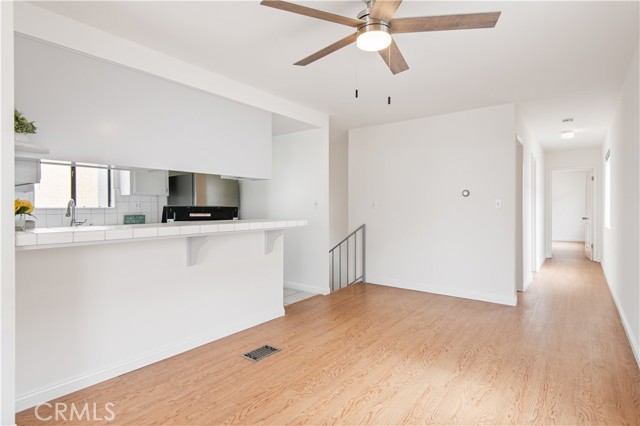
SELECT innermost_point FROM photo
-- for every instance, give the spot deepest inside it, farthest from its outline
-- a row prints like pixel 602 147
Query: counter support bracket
pixel 194 244
pixel 270 238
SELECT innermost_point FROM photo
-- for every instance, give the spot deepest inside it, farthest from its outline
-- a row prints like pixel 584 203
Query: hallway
pixel 584 338
pixel 380 355
pixel 568 250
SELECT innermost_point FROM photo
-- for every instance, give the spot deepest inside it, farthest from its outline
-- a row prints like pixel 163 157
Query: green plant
pixel 21 124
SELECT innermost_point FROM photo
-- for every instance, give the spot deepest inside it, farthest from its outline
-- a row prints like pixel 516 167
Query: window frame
pixel 73 183
pixel 74 189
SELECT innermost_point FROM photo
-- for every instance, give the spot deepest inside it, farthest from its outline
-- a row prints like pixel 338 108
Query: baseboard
pixel 80 382
pixel 625 324
pixel 306 287
pixel 510 300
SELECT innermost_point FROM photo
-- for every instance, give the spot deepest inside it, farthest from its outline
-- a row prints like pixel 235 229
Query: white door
pixel 587 218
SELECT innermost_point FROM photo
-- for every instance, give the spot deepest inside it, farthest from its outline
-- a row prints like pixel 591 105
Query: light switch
pixel 498 204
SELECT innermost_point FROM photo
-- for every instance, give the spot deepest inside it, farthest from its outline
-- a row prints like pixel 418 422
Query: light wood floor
pixel 378 355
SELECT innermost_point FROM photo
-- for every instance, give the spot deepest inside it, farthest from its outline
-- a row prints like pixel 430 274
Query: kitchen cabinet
pixel 143 182
pixel 27 164
pixel 27 172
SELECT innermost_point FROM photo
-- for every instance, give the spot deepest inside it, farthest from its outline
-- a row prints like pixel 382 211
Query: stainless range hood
pixel 197 189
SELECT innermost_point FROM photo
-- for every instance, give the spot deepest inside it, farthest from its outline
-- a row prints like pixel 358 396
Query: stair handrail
pixel 363 276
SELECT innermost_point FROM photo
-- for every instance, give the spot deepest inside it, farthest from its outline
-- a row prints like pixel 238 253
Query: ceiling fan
pixel 375 25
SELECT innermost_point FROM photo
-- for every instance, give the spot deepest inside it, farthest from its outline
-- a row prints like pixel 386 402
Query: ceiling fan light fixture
pixel 373 37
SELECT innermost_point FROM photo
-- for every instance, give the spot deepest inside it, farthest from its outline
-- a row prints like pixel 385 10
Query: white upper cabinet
pixel 153 182
pixel 27 173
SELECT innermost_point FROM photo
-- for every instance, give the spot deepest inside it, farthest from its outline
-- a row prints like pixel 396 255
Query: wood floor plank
pixel 371 354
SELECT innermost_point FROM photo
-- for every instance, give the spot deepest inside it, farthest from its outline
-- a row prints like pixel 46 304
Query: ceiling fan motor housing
pixel 371 25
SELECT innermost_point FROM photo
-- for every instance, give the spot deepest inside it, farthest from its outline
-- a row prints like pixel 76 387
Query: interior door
pixel 587 218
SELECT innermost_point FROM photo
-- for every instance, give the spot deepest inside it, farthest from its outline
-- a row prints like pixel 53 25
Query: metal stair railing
pixel 353 266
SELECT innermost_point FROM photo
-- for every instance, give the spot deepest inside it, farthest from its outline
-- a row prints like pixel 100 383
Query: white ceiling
pixel 553 59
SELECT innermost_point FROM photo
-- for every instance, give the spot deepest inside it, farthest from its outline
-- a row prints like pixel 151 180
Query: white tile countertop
pixel 82 235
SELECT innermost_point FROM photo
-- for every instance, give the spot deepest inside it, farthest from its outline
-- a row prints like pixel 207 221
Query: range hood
pixel 198 189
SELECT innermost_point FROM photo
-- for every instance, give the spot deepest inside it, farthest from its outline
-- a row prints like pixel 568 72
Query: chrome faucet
pixel 71 212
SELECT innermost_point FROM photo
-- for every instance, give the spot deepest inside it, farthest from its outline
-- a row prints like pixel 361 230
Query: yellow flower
pixel 22 207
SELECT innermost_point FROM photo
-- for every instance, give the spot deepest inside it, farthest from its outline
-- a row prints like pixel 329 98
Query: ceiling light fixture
pixel 567 134
pixel 374 34
pixel 373 37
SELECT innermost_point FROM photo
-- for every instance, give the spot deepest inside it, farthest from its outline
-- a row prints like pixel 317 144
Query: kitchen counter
pixel 40 238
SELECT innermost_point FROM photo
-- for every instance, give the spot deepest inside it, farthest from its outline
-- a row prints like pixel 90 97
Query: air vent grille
pixel 260 353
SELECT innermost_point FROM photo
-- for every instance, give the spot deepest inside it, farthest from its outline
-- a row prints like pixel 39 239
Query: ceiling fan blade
pixel 314 13
pixel 394 59
pixel 445 22
pixel 384 9
pixel 329 49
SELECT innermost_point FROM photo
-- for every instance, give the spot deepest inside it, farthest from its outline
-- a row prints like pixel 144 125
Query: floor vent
pixel 260 353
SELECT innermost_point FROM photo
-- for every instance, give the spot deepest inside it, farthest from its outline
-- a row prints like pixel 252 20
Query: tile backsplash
pixel 148 205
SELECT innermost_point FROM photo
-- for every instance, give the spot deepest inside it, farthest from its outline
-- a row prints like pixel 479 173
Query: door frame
pixel 595 207
pixel 590 229
pixel 520 204
pixel 534 213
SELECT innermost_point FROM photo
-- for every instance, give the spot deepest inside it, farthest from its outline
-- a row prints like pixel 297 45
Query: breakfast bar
pixel 95 302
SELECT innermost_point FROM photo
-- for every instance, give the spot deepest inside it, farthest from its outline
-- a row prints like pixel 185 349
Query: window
pixel 90 187
pixel 607 190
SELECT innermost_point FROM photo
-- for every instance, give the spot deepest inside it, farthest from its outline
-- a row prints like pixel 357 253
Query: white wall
pixel 575 159
pixel 338 190
pixel 405 184
pixel 7 250
pixel 92 111
pixel 568 205
pixel 299 189
pixel 533 220
pixel 621 242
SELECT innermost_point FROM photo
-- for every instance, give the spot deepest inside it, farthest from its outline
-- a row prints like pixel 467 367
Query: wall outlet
pixel 498 204
pixel 138 206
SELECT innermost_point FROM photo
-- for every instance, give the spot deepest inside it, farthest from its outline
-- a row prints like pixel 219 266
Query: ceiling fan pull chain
pixel 389 52
pixel 389 56
pixel 356 73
